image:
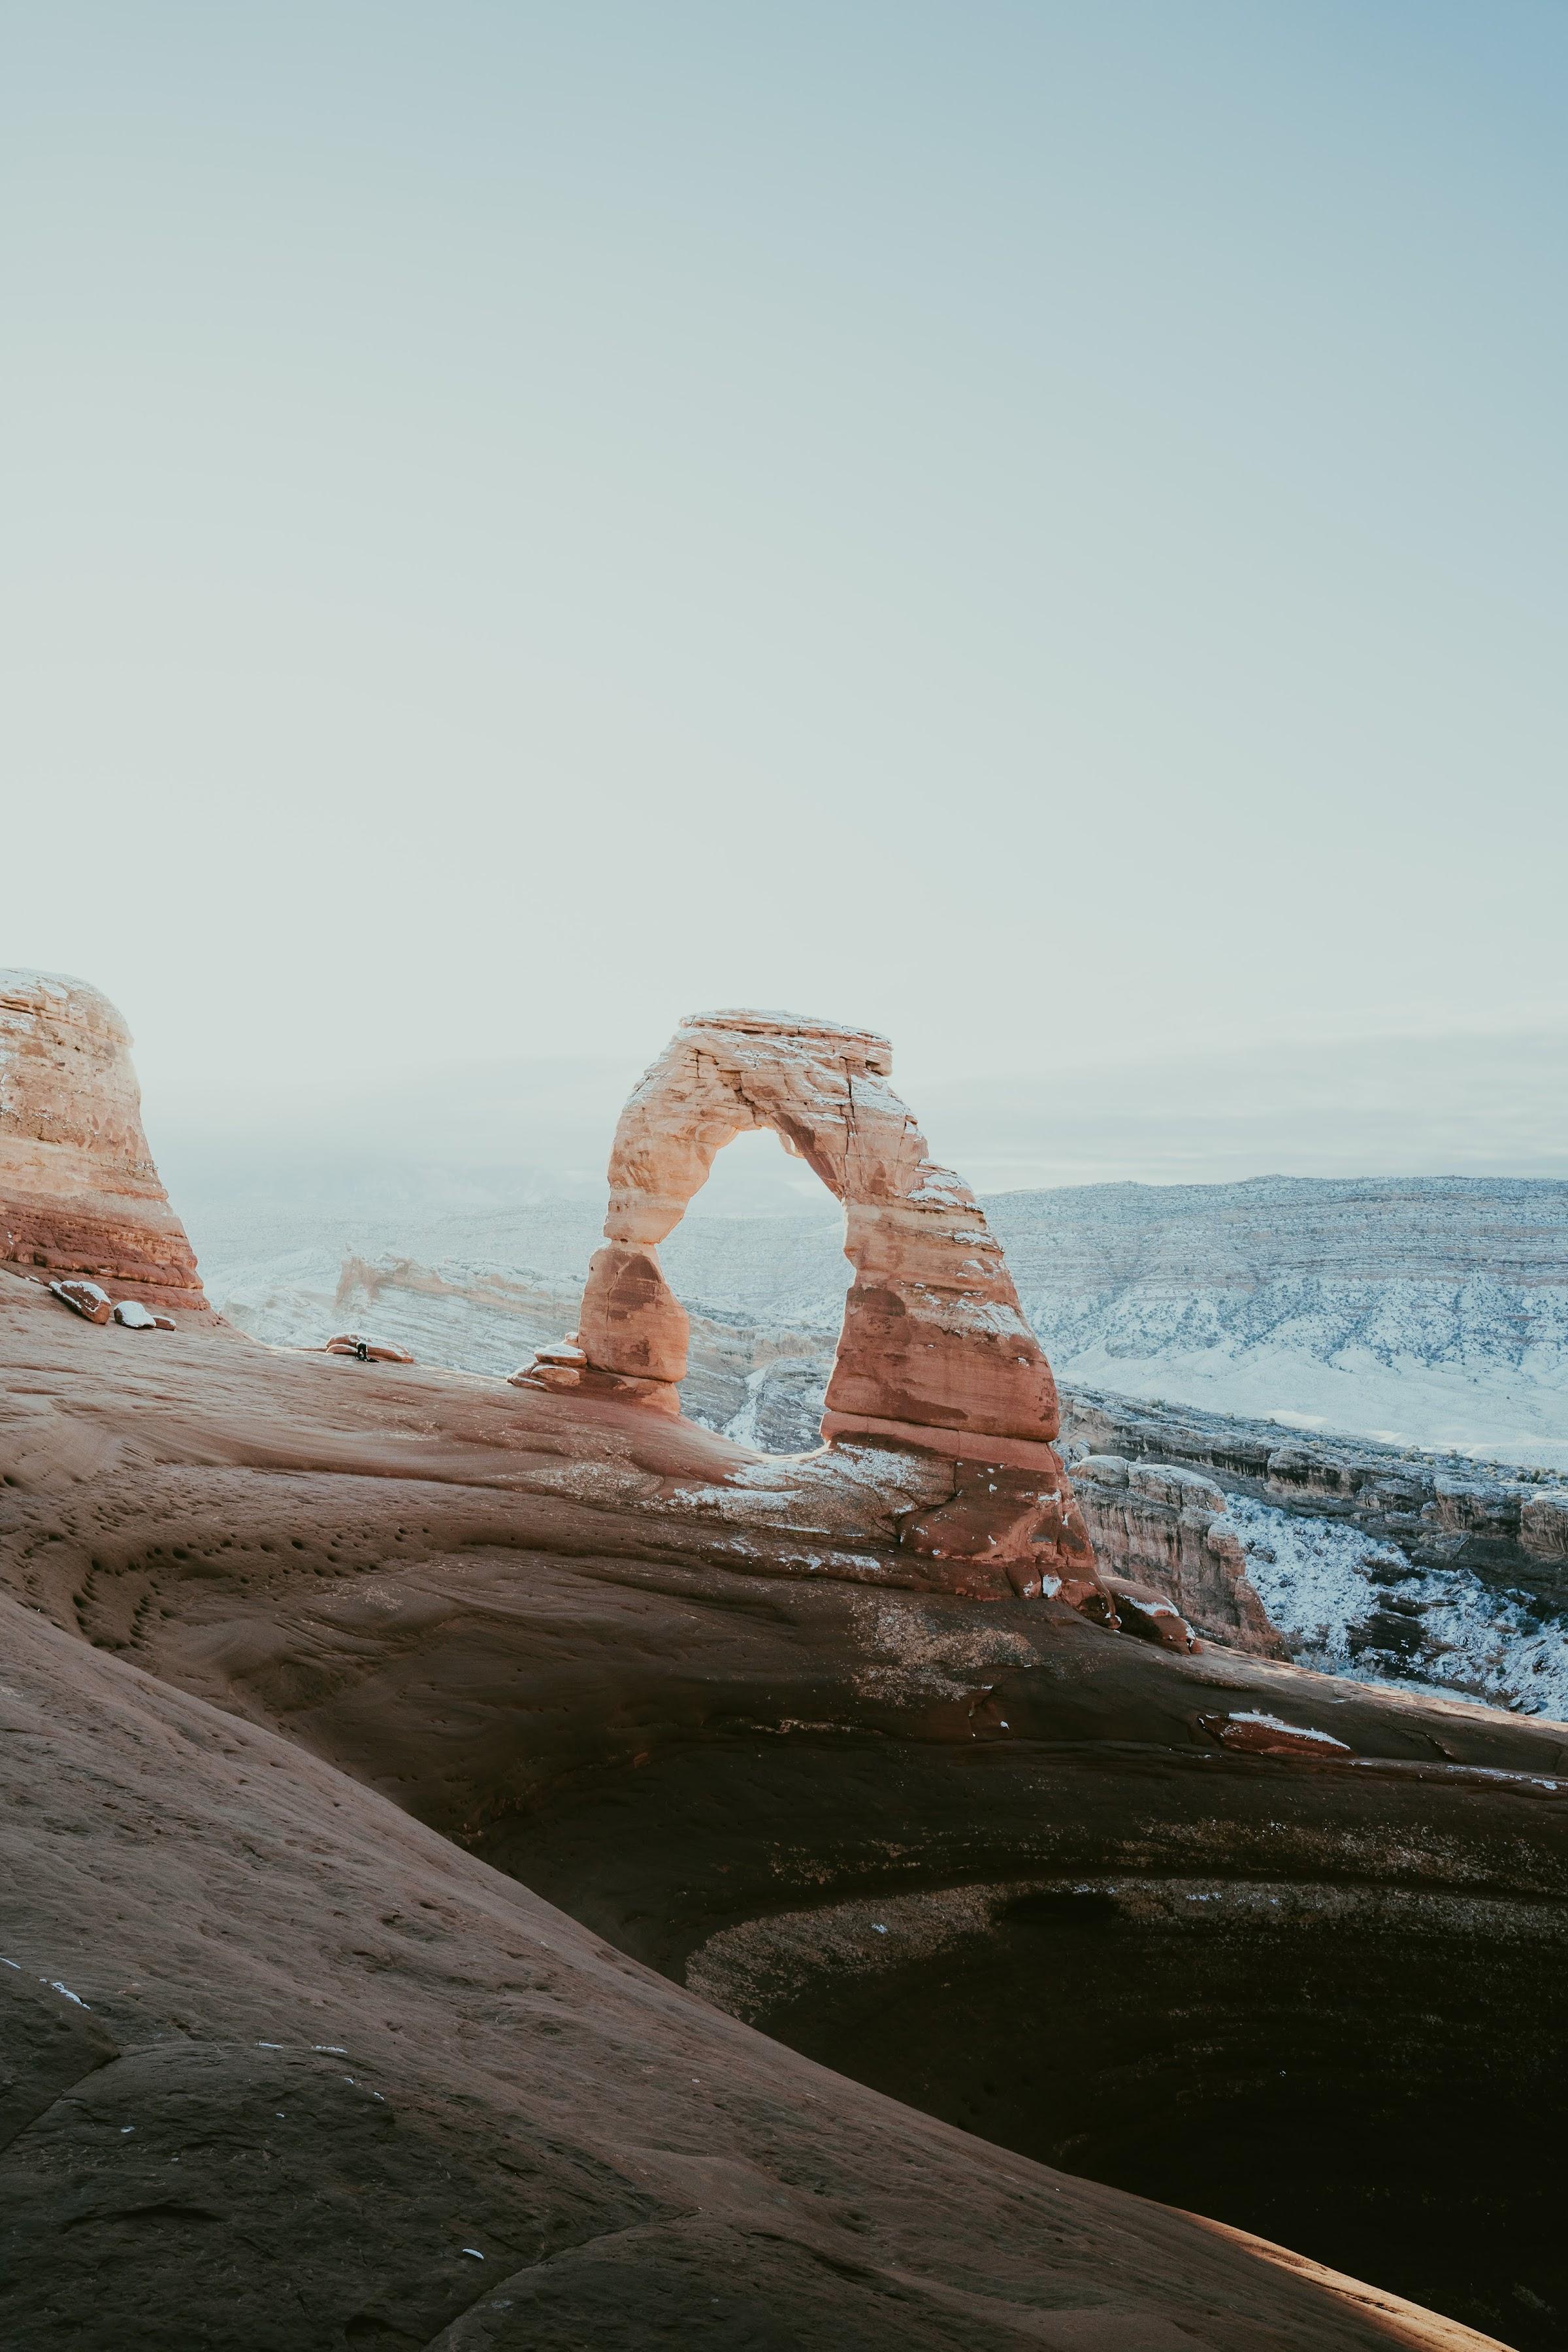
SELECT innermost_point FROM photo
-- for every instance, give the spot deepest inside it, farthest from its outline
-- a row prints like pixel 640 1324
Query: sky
pixel 1037 529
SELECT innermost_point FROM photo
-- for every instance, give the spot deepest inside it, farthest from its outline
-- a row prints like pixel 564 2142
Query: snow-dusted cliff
pixel 1432 1311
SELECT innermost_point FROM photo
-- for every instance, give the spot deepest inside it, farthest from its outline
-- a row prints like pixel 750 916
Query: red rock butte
pixel 78 1192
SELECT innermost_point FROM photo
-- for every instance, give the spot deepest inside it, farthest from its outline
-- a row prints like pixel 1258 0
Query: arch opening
pixel 753 1176
pixel 760 1264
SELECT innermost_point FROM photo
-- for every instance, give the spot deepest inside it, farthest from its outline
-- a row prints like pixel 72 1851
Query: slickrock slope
pixel 324 1680
pixel 78 1192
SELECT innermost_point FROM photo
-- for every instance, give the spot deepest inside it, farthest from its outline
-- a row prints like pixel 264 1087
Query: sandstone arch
pixel 934 1351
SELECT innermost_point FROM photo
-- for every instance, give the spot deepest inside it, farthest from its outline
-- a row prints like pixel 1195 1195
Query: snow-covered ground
pixel 1348 1605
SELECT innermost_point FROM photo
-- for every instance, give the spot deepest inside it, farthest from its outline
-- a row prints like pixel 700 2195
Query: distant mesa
pixel 80 1196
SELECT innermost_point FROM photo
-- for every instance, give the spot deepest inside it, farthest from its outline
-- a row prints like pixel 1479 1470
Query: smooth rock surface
pixel 320 1690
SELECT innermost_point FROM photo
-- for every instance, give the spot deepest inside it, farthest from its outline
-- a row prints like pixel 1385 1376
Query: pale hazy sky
pixel 1037 527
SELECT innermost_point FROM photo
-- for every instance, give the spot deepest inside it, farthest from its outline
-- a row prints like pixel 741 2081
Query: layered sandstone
pixel 78 1192
pixel 933 1341
pixel 934 1352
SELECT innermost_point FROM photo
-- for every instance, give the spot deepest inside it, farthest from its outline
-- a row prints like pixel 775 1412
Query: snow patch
pixel 1296 1730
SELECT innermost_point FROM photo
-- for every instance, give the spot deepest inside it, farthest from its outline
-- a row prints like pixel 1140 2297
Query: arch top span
pixel 934 1352
pixel 816 1083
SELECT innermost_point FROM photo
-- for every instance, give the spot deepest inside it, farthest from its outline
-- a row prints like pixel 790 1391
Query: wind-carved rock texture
pixel 78 1191
pixel 935 1353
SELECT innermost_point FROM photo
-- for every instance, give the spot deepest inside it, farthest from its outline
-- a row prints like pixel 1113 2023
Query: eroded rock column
pixel 78 1192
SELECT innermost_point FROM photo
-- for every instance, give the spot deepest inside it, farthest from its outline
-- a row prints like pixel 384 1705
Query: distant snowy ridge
pixel 1429 1311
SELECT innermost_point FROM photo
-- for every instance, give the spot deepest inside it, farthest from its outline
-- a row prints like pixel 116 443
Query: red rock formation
pixel 78 1192
pixel 935 1353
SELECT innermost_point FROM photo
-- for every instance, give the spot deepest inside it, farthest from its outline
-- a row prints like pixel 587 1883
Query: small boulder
pixel 369 1351
pixel 84 1299
pixel 562 1372
pixel 1253 1731
pixel 1151 1615
pixel 137 1318
pixel 1166 1482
